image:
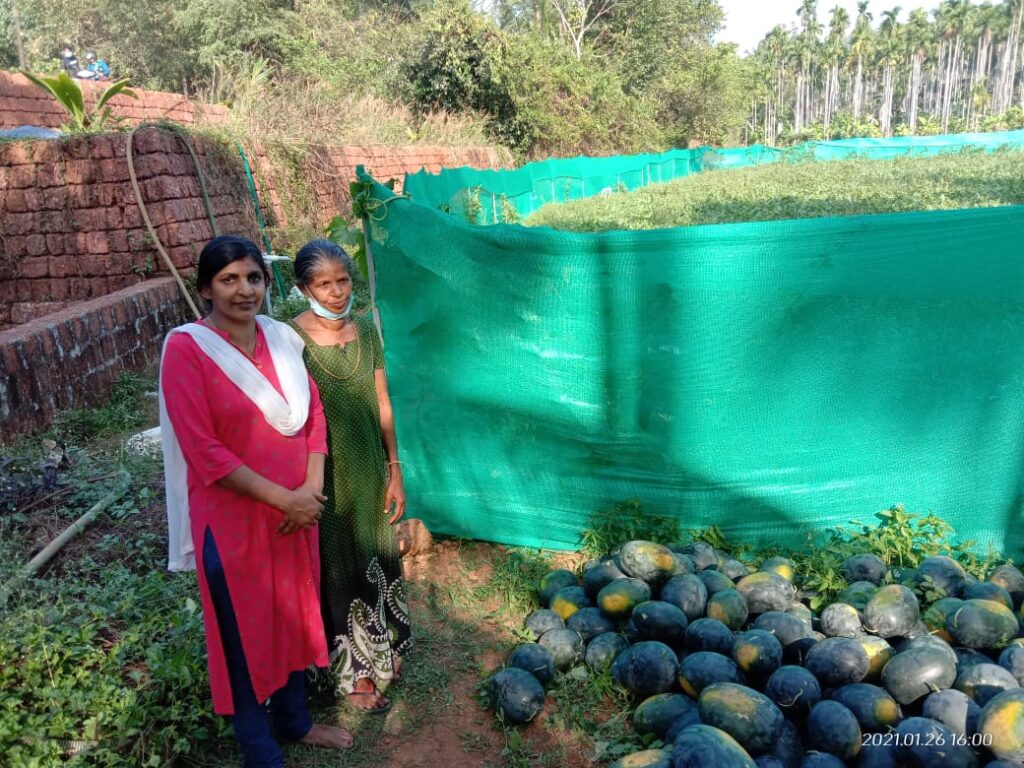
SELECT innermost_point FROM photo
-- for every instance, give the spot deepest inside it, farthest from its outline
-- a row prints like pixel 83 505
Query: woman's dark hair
pixel 224 250
pixel 316 252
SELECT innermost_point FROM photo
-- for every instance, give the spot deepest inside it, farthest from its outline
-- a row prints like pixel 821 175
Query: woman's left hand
pixel 395 495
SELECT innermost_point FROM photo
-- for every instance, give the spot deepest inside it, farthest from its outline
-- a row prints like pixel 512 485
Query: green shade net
pixel 770 378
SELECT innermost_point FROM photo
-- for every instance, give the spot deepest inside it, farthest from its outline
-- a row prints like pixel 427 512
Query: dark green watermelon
pixel 1012 660
pixel 715 581
pixel 566 601
pixel 516 694
pixel 937 615
pixel 766 591
pixel 684 565
pixel 821 760
pixel 781 566
pixel 708 635
pixel 535 659
pixel 968 657
pixel 1010 579
pixel 891 612
pixel 954 709
pixel 924 743
pixel 702 554
pixel 757 653
pixel 914 673
pixel 865 567
pixel 786 627
pixel 540 621
pixel 728 607
pixel 687 593
pixel 1002 725
pixel 789 748
pixel 683 721
pixel 619 598
pixel 565 646
pixel 837 661
pixel 648 758
pixel 796 652
pixel 653 563
pixel 602 650
pixel 857 594
pixel 878 755
pixel 841 620
pixel 657 713
pixel 945 573
pixel 879 652
pixel 699 670
pixel 702 746
pixel 589 623
pixel 748 716
pixel 599 576
pixel 646 668
pixel 734 569
pixel 984 681
pixel 982 624
pixel 554 581
pixel 802 612
pixel 876 711
pixel 661 621
pixel 986 590
pixel 794 690
pixel 834 729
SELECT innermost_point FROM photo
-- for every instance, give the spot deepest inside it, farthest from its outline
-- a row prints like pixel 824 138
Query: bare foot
pixel 396 668
pixel 328 737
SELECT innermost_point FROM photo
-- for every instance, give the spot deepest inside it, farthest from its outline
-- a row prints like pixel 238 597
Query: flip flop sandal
pixel 375 710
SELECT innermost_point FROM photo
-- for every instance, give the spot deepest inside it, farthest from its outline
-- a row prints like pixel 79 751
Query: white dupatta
pixel 287 415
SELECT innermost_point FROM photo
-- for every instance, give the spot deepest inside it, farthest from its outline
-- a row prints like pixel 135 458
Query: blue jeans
pixel 287 705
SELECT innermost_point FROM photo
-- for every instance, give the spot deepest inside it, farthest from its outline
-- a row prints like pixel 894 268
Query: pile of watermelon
pixel 729 668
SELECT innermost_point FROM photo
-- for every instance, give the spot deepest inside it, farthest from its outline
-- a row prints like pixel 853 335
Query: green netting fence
pixel 489 197
pixel 769 378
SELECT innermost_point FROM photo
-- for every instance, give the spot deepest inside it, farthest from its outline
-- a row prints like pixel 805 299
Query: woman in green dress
pixel 362 594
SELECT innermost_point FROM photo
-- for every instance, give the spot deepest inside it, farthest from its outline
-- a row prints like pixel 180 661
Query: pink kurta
pixel 273 579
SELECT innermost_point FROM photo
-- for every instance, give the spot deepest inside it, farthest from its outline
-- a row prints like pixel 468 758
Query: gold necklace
pixel 312 346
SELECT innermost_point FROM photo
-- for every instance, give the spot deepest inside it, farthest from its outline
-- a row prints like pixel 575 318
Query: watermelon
pixel 728 607
pixel 865 567
pixel 703 746
pixel 542 620
pixel 794 690
pixel 833 728
pixel 837 661
pixel 657 713
pixel 1010 579
pixel 954 709
pixel 566 601
pixel 802 612
pixel 535 659
pixel 788 750
pixel 715 581
pixel 599 576
pixel 554 581
pixel 702 554
pixel 589 623
pixel 658 620
pixel 1012 660
pixel 945 573
pixel 516 694
pixel 821 760
pixel 877 755
pixel 708 635
pixel 968 657
pixel 1002 725
pixel 918 671
pixel 646 668
pixel 748 716
pixel 648 758
pixel 857 594
pixel 879 652
pixel 938 613
pixel 891 612
pixel 687 593
pixel 602 650
pixel 796 652
pixel 984 681
pixel 924 743
pixel 699 670
pixel 684 565
pixel 647 561
pixel 619 598
pixel 786 627
pixel 683 721
pixel 781 566
pixel 876 711
pixel 982 624
pixel 986 590
pixel 734 569
pixel 565 646
pixel 766 591
pixel 757 652
pixel 841 620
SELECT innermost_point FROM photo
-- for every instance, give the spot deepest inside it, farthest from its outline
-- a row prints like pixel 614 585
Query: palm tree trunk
pixel 857 87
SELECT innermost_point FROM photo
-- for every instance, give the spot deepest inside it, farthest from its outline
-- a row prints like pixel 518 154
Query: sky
pixel 747 21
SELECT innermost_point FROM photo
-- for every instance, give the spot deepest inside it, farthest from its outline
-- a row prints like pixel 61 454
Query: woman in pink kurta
pixel 252 492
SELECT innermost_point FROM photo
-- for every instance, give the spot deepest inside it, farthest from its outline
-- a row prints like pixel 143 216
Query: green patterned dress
pixel 362 594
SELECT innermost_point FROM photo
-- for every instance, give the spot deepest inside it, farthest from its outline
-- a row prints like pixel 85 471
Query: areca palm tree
pixel 832 54
pixel 890 51
pixel 860 45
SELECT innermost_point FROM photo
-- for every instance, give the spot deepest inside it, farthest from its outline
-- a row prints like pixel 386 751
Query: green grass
pixel 802 190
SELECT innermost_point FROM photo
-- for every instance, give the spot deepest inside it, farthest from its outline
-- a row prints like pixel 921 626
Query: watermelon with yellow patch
pixel 657 713
pixel 568 600
pixel 703 746
pixel 875 709
pixel 648 758
pixel 648 561
pixel 766 591
pixel 781 566
pixel 728 607
pixel 757 652
pixel 619 598
pixel 554 581
pixel 879 652
pixel 748 716
pixel 938 612
pixel 1002 725
pixel 893 611
pixel 982 624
